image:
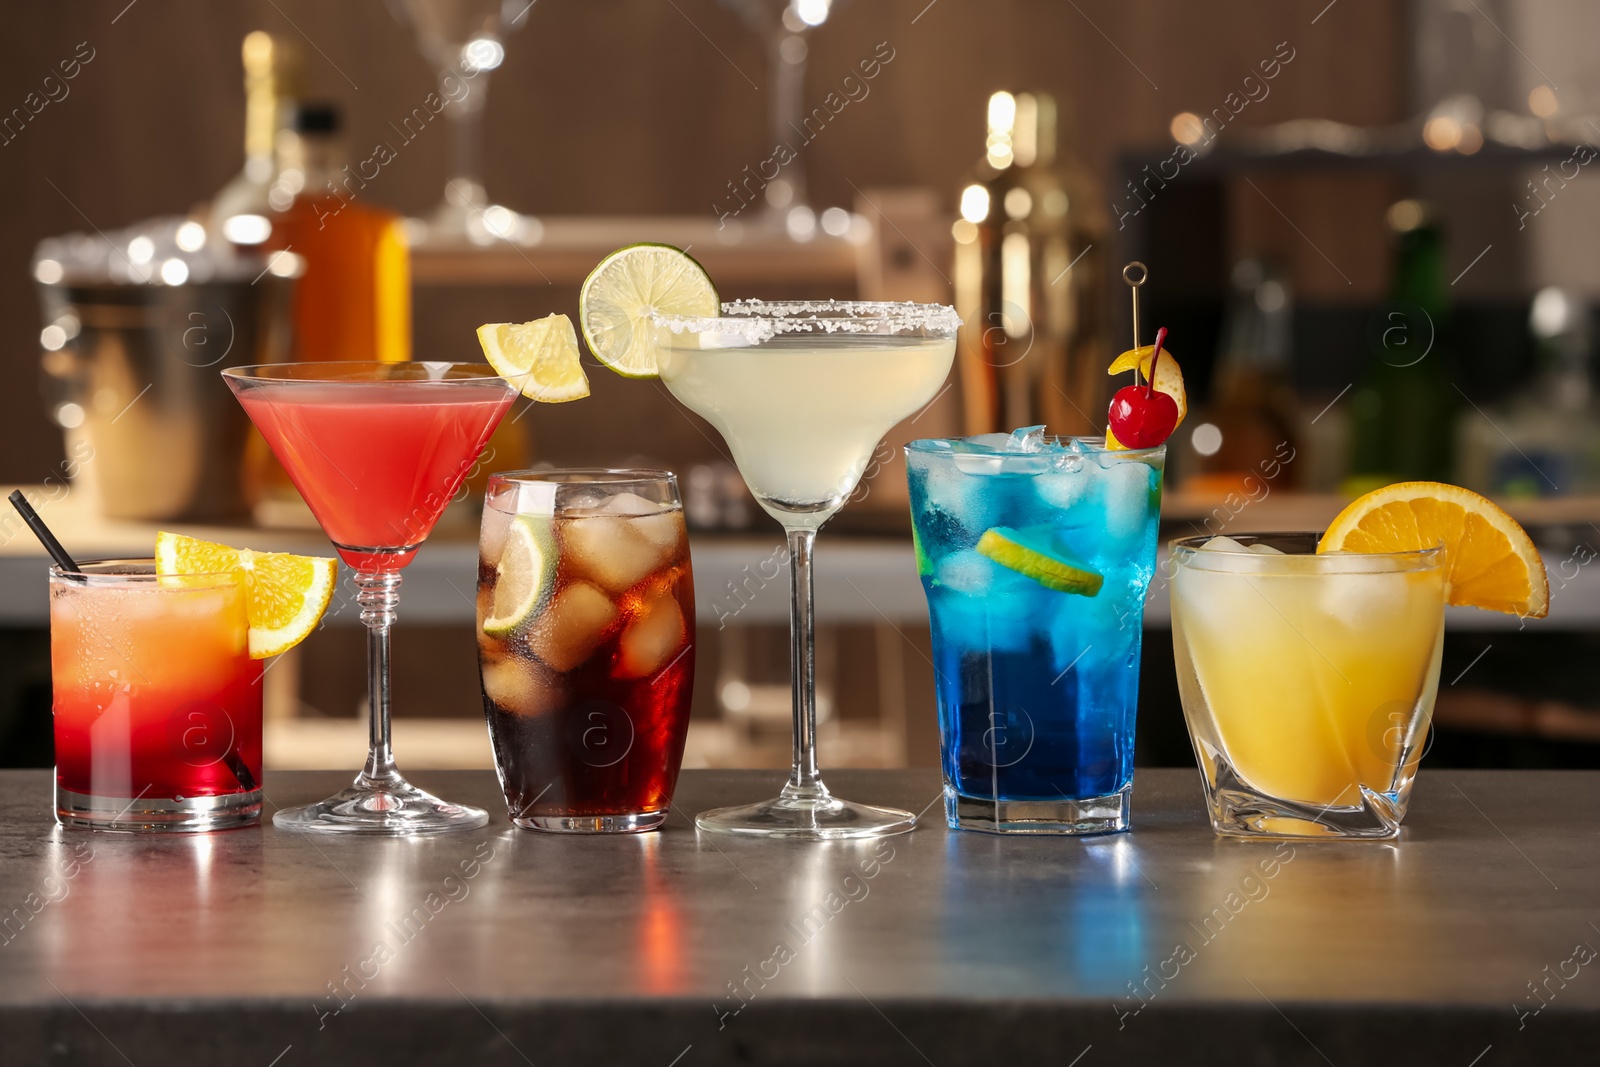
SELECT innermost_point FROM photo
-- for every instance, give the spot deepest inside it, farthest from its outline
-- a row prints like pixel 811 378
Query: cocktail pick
pixel 42 532
pixel 1134 284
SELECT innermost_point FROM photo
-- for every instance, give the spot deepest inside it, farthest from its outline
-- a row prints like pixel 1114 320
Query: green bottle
pixel 1402 411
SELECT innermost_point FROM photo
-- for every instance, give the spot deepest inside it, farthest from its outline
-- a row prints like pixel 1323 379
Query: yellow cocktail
pixel 1307 680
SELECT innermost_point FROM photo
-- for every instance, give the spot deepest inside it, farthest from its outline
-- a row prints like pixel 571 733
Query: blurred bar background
pixel 1320 191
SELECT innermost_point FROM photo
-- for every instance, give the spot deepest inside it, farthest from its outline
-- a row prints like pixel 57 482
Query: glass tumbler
pixel 1307 680
pixel 1035 563
pixel 157 702
pixel 586 645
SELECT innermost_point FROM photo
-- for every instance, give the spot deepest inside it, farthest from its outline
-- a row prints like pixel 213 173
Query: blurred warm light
pixel 1471 140
pixel 964 232
pixel 1551 314
pixel 285 265
pixel 736 696
pixel 1015 279
pixel 1054 203
pixel 1405 215
pixel 835 222
pixel 52 337
pixel 1542 101
pixel 70 415
pixel 1186 128
pixel 174 272
pixel 191 237
pixel 793 51
pixel 780 193
pixel 801 222
pixel 47 272
pixel 500 220
pixel 1018 202
pixel 974 203
pixel 482 53
pixel 1441 133
pixel 1002 126
pixel 257 48
pixel 141 249
pixel 1206 439
pixel 1002 112
pixel 1025 130
pixel 247 229
pixel 812 12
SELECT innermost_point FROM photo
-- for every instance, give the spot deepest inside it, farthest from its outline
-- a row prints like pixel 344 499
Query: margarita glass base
pixel 392 808
pixel 800 816
pixel 1109 814
pixel 81 811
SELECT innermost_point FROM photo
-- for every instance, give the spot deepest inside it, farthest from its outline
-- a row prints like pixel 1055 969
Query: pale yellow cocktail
pixel 1308 680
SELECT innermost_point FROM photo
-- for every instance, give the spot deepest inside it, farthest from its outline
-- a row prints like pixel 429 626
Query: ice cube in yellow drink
pixel 1310 675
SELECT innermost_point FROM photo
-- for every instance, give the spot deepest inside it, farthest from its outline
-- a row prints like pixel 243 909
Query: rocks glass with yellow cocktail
pixel 1308 668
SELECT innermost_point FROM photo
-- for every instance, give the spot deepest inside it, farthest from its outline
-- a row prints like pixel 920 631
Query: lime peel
pixel 616 301
pixel 524 576
pixel 1030 555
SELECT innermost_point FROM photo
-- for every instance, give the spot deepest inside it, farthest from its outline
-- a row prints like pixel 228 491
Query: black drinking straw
pixel 247 781
pixel 42 532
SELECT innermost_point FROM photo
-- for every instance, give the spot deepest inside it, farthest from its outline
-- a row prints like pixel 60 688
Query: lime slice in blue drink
pixel 924 565
pixel 1034 554
pixel 524 576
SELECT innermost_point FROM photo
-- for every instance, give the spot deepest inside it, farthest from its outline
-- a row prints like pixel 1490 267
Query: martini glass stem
pixel 378 594
pixel 805 781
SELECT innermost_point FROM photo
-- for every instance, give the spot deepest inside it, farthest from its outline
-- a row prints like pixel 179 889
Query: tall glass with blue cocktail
pixel 1035 554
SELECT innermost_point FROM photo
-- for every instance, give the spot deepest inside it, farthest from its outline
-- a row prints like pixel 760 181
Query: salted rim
pixel 761 320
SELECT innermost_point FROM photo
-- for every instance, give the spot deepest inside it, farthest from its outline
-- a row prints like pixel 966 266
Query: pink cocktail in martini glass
pixel 377 450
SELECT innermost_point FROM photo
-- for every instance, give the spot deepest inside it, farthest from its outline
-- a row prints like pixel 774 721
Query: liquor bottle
pixel 1253 413
pixel 273 77
pixel 1030 278
pixel 354 297
pixel 1402 411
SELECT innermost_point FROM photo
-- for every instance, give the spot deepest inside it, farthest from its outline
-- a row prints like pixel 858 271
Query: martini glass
pixel 377 450
pixel 802 393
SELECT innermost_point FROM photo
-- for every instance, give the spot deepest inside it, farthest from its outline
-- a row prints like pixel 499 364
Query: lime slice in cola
pixel 524 577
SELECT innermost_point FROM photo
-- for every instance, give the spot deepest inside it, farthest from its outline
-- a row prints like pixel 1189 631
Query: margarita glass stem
pixel 805 781
pixel 378 594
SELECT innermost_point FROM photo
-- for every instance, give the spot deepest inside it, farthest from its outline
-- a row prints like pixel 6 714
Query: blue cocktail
pixel 1035 554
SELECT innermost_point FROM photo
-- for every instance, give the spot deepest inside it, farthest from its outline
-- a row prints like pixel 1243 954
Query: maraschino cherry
pixel 1142 417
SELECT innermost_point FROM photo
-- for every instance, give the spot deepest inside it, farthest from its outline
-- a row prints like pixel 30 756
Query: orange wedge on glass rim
pixel 285 594
pixel 1490 561
pixel 1169 380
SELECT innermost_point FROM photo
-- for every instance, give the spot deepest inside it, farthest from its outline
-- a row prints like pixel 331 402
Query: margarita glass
pixel 377 450
pixel 802 392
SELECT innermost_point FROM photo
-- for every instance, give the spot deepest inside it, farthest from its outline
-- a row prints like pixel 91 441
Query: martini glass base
pixel 395 809
pixel 803 818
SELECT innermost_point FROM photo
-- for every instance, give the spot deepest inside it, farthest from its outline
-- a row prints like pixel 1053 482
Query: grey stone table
pixel 1470 942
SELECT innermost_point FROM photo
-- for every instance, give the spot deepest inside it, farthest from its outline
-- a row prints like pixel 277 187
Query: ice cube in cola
pixel 586 651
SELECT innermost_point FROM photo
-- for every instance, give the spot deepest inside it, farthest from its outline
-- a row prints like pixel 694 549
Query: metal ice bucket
pixel 132 373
